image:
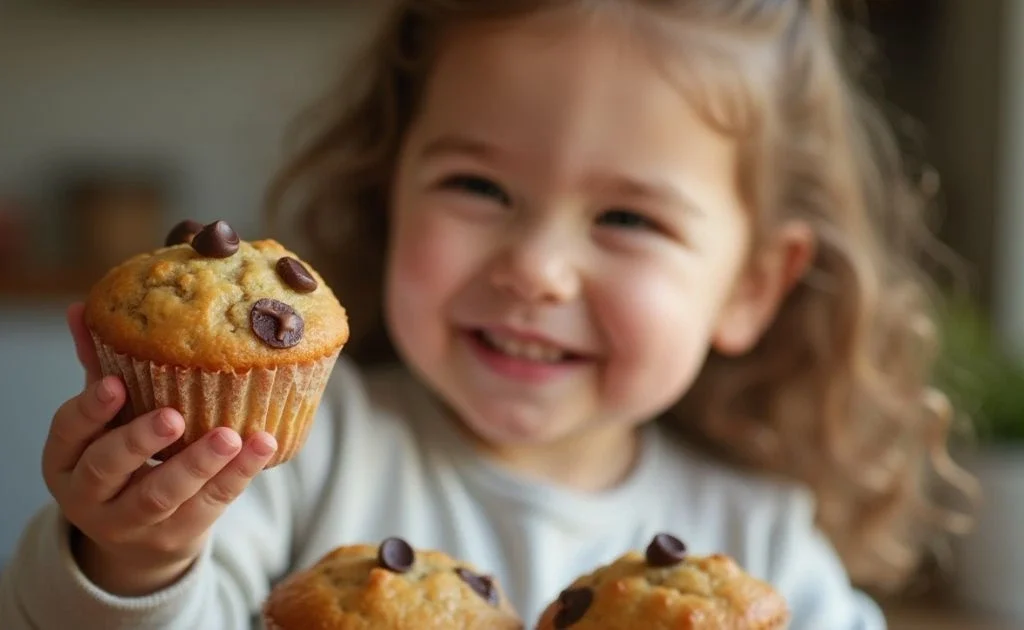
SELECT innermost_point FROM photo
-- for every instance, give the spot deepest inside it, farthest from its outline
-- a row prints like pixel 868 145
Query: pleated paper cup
pixel 281 401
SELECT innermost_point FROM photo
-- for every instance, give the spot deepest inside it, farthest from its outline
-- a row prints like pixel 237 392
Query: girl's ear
pixel 762 287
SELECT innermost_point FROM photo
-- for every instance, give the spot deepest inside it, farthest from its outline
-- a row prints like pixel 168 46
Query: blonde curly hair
pixel 836 395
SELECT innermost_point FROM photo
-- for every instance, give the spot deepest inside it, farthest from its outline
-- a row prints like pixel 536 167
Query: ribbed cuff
pixel 52 591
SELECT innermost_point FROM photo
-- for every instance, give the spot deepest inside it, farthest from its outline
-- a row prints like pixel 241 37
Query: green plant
pixel 982 380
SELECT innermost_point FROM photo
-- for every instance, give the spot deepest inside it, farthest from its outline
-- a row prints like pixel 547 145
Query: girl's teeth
pixel 529 350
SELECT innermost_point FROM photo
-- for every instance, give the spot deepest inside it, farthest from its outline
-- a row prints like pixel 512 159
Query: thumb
pixel 84 347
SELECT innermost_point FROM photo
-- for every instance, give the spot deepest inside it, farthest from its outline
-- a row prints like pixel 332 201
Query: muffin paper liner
pixel 281 401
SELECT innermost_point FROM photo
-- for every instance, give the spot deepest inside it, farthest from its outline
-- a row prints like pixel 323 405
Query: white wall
pixel 1009 233
pixel 209 90
pixel 964 128
pixel 37 372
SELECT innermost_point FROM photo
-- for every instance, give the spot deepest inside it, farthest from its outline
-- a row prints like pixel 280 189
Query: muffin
pixel 667 589
pixel 230 333
pixel 388 587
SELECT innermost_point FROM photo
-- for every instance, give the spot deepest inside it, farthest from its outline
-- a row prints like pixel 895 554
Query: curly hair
pixel 837 393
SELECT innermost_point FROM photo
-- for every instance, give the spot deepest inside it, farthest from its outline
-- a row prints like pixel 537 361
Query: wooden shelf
pixel 920 617
pixel 24 286
pixel 940 609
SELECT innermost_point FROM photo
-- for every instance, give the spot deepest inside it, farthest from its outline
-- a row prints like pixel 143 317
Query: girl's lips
pixel 519 368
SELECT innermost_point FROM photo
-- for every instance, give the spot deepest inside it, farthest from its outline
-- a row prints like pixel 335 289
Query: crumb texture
pixel 699 593
pixel 176 307
pixel 349 590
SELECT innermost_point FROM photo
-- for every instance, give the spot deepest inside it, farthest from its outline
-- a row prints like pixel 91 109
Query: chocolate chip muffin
pixel 228 332
pixel 388 587
pixel 667 589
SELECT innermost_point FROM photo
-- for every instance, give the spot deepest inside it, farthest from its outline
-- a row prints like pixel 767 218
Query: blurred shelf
pixel 57 285
pixel 923 615
pixel 923 619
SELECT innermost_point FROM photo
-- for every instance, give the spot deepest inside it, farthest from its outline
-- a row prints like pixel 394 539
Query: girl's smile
pixel 528 357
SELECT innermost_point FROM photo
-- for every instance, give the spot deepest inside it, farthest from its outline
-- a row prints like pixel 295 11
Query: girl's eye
pixel 475 185
pixel 625 219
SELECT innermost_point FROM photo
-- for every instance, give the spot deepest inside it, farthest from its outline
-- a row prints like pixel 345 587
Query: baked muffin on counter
pixel 667 589
pixel 390 586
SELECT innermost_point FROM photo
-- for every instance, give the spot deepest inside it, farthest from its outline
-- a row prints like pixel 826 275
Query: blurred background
pixel 119 119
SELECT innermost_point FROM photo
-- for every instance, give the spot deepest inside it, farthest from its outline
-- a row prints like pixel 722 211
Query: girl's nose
pixel 537 268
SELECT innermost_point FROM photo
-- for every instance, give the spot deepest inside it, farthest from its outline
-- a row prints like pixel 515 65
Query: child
pixel 641 266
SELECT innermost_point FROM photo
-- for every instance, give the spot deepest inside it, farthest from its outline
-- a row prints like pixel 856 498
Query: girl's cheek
pixel 656 330
pixel 633 305
pixel 431 255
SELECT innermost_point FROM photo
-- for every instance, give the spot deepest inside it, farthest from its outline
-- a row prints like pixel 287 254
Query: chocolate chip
pixel 665 550
pixel 276 323
pixel 183 232
pixel 573 604
pixel 482 584
pixel 295 275
pixel 216 240
pixel 394 554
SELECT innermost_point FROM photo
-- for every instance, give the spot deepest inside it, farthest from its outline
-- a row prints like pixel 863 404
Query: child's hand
pixel 141 526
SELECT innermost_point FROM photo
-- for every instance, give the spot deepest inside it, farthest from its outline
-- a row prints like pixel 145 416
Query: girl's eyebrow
pixel 653 191
pixel 453 144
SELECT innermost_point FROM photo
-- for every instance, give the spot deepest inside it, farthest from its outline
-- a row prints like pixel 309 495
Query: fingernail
pixel 225 443
pixel 104 392
pixel 167 424
pixel 264 445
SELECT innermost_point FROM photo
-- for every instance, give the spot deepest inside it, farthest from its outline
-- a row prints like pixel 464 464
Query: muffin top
pixel 390 586
pixel 667 589
pixel 209 300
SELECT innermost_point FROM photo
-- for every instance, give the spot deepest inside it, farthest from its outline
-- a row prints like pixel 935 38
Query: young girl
pixel 616 267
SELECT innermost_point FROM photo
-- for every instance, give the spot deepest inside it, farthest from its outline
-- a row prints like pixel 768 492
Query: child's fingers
pixel 85 349
pixel 203 509
pixel 109 462
pixel 178 479
pixel 78 421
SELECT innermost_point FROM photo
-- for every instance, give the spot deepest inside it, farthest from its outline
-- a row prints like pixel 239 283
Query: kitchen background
pixel 168 112
pixel 117 120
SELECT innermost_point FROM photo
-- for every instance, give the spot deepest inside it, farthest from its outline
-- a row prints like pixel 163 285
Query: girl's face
pixel 567 237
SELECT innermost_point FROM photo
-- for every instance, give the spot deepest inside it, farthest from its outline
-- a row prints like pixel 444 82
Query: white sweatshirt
pixel 382 460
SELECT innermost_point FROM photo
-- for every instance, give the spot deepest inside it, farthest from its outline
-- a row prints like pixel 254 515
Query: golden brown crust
pixel 348 590
pixel 176 307
pixel 700 593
